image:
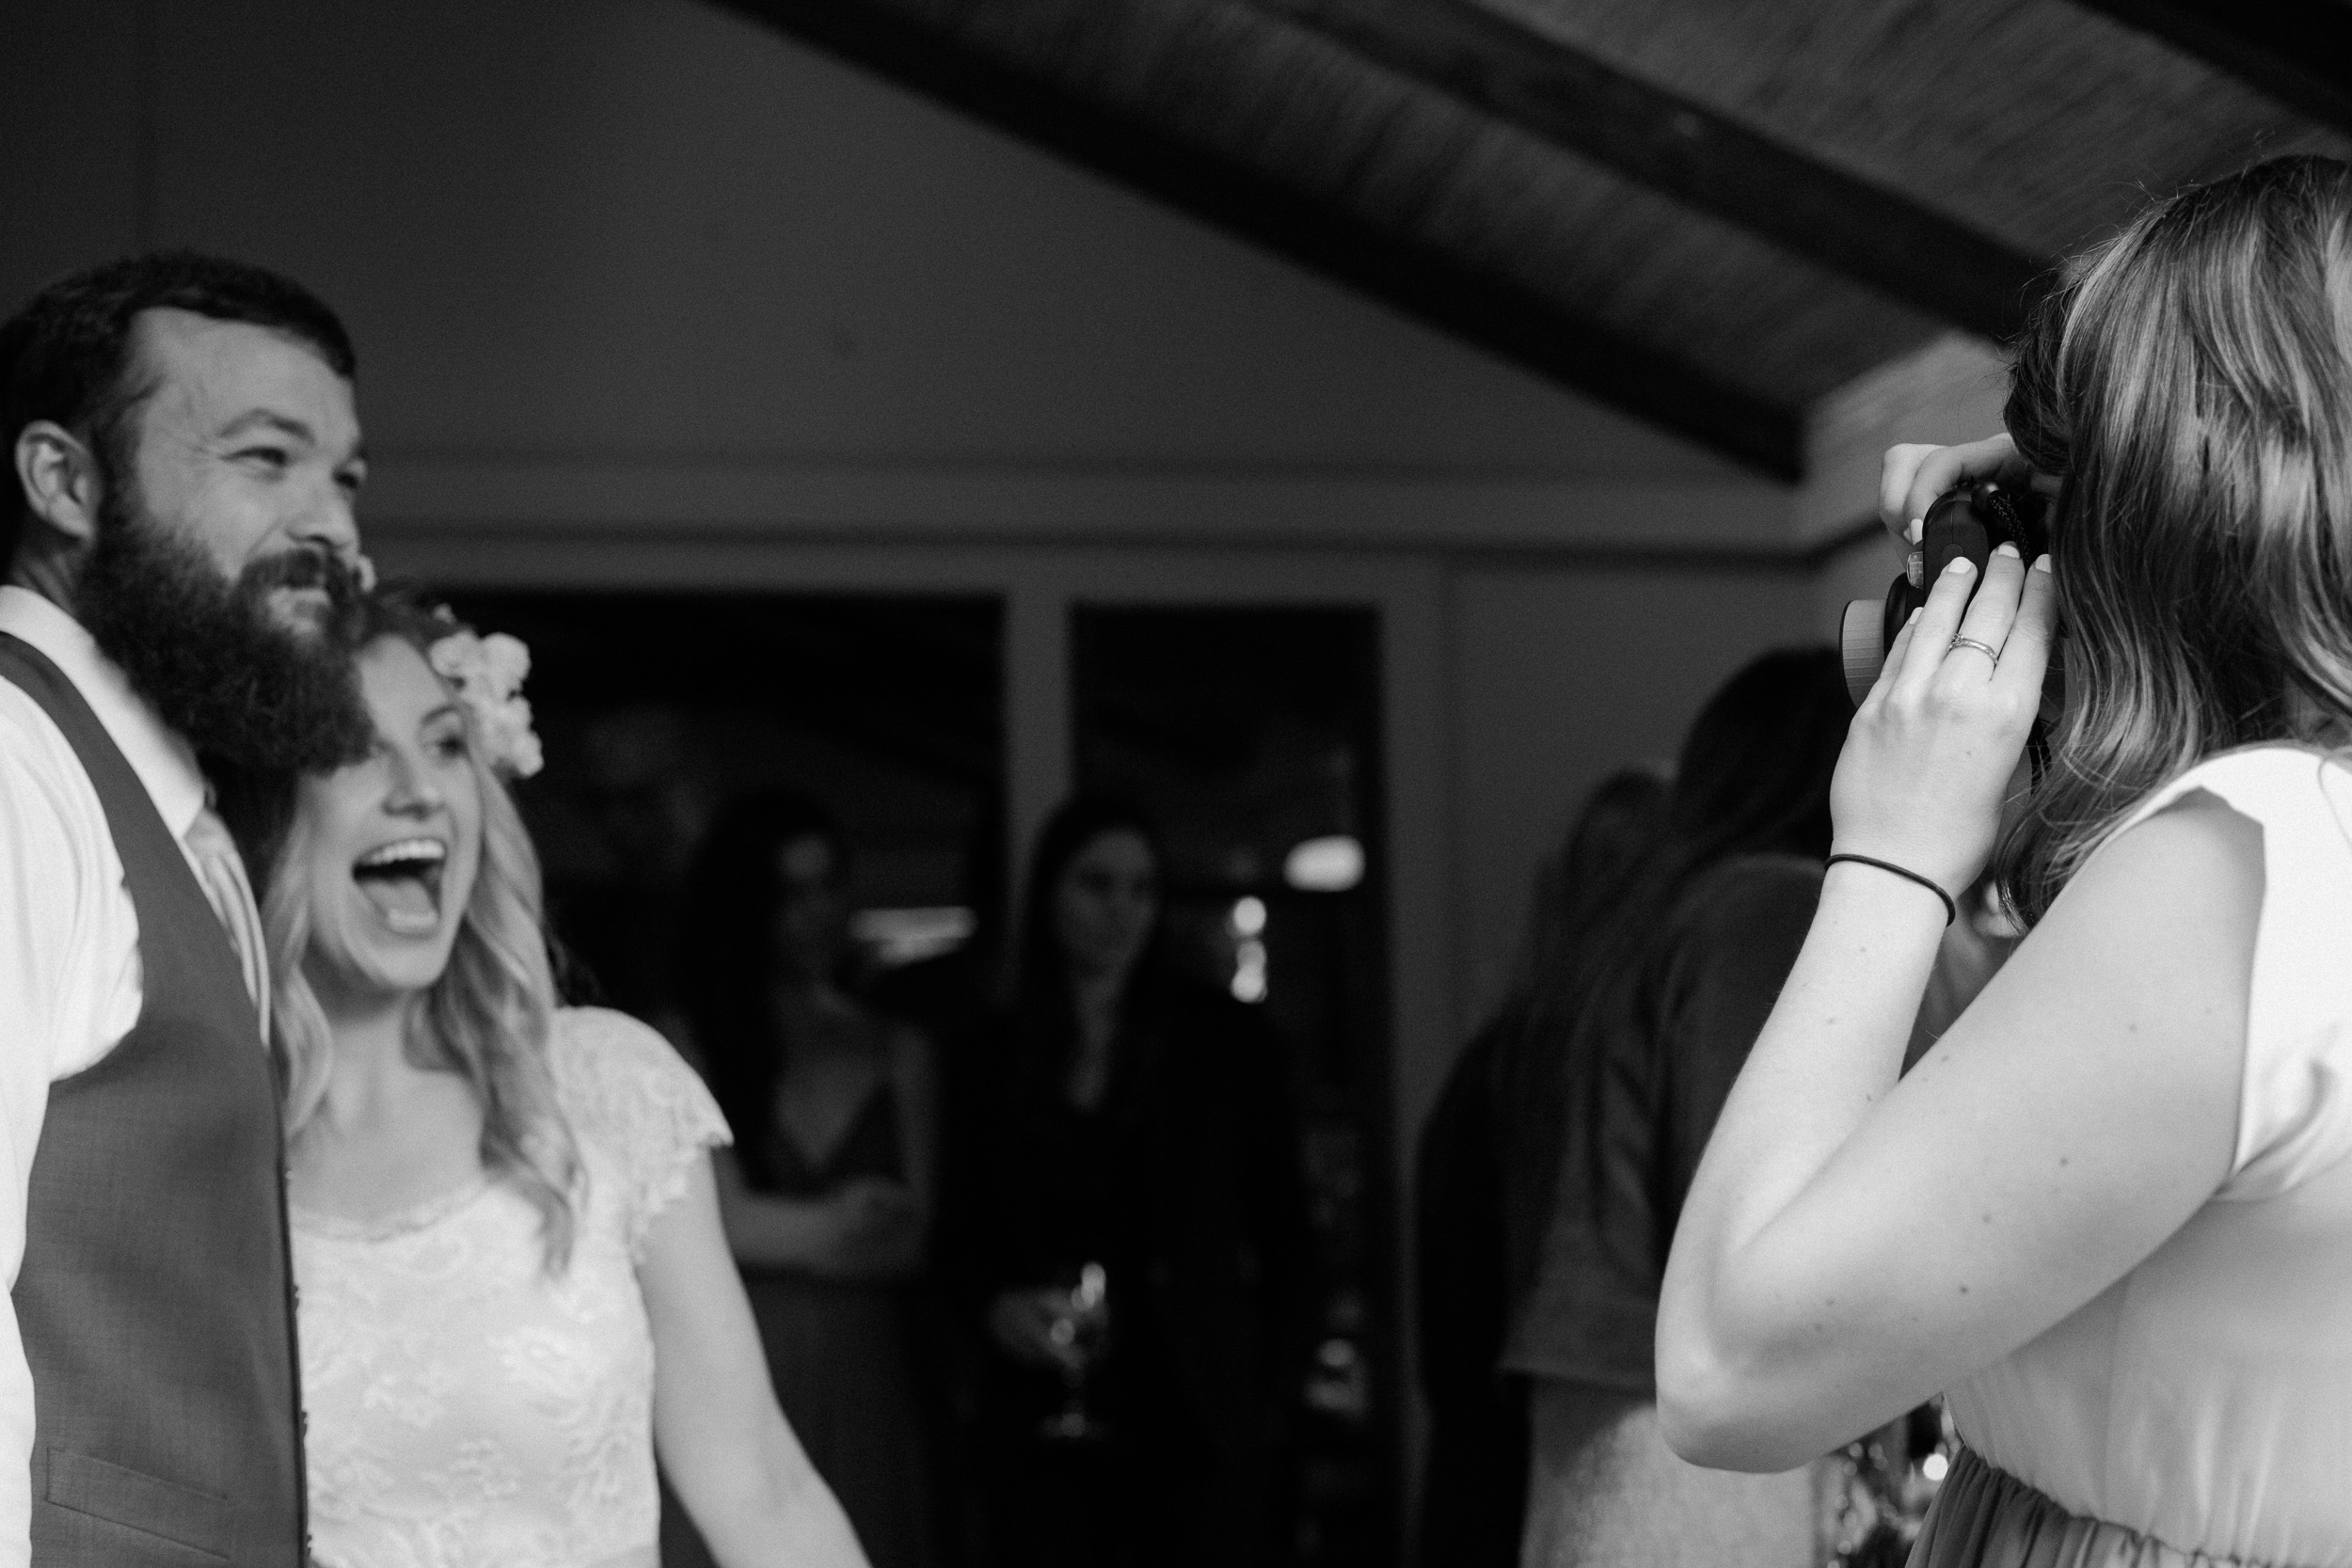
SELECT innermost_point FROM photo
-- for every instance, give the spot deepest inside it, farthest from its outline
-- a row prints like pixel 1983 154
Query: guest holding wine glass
pixel 827 1193
pixel 1118 1123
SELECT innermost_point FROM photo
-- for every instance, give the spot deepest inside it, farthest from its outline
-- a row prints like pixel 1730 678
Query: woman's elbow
pixel 1717 1413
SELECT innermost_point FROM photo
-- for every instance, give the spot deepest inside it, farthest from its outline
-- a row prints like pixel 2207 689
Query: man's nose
pixel 330 521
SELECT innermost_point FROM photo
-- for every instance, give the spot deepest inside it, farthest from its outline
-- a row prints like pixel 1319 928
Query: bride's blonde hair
pixel 486 1017
pixel 2191 381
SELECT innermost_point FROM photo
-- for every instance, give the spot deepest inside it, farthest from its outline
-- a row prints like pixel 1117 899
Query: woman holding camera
pixel 2109 1212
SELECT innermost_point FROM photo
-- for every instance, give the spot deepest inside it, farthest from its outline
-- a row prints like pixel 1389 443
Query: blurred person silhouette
pixel 647 784
pixel 1127 1230
pixel 828 1195
pixel 1500 1094
pixel 1652 1020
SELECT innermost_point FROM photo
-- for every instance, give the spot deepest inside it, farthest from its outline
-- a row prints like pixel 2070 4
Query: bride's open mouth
pixel 402 880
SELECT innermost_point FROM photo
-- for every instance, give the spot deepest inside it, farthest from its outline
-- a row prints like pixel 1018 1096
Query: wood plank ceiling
pixel 1707 213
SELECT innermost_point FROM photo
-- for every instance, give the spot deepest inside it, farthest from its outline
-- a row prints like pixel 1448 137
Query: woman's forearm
pixel 763 1505
pixel 808 1514
pixel 1740 1306
pixel 765 1231
pixel 808 1235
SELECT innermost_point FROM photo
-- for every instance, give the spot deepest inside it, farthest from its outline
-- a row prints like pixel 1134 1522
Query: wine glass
pixel 1080 1328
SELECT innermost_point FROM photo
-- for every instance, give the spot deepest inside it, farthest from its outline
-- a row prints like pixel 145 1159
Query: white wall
pixel 651 229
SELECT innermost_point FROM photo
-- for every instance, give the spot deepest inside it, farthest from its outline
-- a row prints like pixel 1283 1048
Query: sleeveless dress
pixel 466 1409
pixel 839 1352
pixel 2198 1413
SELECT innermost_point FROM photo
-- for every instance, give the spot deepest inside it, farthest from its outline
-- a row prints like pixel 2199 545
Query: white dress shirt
pixel 69 946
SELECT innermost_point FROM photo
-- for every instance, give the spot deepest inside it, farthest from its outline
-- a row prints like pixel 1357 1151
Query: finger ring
pixel 1987 649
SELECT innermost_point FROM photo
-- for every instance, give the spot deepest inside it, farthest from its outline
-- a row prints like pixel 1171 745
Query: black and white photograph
pixel 1176 783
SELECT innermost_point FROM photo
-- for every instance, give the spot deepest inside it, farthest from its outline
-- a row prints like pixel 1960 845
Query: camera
pixel 1972 520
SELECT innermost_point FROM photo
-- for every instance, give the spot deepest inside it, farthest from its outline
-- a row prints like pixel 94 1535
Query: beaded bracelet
pixel 1951 910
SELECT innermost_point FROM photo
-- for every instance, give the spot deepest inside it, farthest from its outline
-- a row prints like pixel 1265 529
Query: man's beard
pixel 211 658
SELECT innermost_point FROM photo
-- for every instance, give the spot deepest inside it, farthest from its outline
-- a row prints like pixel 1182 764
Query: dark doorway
pixel 1254 737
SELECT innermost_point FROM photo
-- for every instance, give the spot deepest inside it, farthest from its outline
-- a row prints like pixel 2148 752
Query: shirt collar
pixel 164 761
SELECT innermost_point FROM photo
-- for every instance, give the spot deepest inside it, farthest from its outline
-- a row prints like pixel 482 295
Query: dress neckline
pixel 420 1215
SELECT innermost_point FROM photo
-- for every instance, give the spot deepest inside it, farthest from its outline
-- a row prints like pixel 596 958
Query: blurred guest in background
pixel 1474 1476
pixel 1656 1014
pixel 829 1190
pixel 1128 1230
pixel 647 784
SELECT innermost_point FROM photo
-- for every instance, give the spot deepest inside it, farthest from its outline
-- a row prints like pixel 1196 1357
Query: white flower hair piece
pixel 487 674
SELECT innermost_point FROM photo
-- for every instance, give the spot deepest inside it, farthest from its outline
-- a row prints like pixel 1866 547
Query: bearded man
pixel 182 568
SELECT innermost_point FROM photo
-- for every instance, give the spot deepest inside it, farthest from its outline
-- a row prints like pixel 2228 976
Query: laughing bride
pixel 512 1285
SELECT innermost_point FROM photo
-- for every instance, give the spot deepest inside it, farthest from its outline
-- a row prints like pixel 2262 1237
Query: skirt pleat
pixel 1984 1517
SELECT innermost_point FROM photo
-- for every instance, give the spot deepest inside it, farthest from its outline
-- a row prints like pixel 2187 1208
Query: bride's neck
pixel 369 1062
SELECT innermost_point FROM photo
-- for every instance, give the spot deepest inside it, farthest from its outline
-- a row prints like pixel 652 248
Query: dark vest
pixel 154 1300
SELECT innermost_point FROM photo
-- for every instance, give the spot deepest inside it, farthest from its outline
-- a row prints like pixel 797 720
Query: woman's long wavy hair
pixel 2190 381
pixel 486 1019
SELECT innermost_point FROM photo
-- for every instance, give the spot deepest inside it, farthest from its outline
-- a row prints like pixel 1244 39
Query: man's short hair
pixel 66 356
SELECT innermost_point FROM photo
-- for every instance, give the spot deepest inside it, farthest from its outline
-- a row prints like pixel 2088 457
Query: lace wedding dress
pixel 466 1409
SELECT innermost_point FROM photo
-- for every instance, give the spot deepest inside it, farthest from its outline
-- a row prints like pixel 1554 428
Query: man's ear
pixel 59 477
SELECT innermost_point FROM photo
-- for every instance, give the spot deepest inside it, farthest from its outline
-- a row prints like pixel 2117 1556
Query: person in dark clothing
pixel 1475 1469
pixel 1655 1016
pixel 1119 1125
pixel 829 1188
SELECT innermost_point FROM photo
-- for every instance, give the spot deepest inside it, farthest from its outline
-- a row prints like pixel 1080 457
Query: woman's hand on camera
pixel 1912 476
pixel 1932 749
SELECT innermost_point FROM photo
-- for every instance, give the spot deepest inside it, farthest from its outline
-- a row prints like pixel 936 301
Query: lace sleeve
pixel 627 1092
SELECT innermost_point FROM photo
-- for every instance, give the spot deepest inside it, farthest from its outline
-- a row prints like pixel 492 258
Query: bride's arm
pixel 724 1444
pixel 1853 1243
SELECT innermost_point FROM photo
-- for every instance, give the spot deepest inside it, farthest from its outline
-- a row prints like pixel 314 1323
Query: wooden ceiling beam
pixel 2299 52
pixel 1485 308
pixel 2292 50
pixel 1552 90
